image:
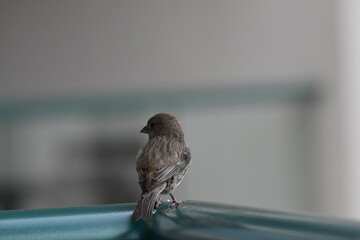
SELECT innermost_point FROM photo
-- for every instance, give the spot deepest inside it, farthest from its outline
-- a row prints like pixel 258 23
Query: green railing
pixel 192 220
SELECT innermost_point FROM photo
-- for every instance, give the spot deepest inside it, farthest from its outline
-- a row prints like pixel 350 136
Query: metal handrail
pixel 191 220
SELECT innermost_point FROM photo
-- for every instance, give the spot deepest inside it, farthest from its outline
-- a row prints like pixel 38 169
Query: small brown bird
pixel 161 164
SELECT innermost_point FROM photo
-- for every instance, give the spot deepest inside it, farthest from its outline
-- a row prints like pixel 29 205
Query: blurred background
pixel 267 93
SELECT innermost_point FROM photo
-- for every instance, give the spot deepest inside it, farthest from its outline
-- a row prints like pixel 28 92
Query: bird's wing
pixel 165 173
pixel 168 171
pixel 178 162
pixel 161 176
pixel 150 181
pixel 157 178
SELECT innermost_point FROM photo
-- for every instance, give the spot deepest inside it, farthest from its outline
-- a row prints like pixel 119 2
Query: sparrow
pixel 161 164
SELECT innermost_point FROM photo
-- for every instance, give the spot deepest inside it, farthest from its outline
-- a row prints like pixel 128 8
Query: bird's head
pixel 162 124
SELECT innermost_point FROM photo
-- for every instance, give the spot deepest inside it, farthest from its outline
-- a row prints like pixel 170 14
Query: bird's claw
pixel 158 203
pixel 176 203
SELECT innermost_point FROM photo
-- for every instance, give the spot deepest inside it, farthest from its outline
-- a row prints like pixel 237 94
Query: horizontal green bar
pixel 191 220
pixel 93 222
pixel 157 100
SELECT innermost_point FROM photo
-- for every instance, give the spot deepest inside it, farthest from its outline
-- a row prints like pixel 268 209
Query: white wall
pixel 349 33
pixel 256 156
pixel 66 47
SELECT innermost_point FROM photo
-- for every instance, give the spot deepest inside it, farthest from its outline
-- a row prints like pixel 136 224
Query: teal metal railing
pixel 192 220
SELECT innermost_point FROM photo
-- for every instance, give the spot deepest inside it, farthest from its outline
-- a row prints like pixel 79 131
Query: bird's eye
pixel 151 125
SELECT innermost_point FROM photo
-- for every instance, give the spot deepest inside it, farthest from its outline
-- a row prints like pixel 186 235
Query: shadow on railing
pixel 191 220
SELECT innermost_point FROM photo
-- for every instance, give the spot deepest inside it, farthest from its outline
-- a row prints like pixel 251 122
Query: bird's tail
pixel 145 206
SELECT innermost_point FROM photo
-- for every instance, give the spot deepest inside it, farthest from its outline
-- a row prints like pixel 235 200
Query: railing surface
pixel 191 220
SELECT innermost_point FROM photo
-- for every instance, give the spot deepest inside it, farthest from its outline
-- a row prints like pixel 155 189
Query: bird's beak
pixel 145 130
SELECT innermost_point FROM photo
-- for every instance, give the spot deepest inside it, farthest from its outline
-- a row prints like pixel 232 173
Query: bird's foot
pixel 176 203
pixel 157 203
